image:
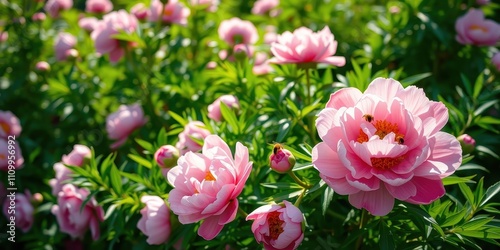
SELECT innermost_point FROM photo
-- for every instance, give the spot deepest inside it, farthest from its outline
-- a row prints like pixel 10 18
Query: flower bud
pixel 467 142
pixel 42 66
pixel 281 160
pixel 166 156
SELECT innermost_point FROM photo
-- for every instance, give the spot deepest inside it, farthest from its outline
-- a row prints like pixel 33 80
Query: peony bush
pixel 263 124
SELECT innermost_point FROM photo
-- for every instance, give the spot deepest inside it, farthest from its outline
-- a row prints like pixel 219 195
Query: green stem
pixel 299 200
pixel 299 181
pixel 243 213
pixel 364 218
pixel 310 119
pixel 308 82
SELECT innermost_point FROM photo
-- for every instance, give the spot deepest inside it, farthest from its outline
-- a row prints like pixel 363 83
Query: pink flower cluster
pixel 474 29
pixel 207 185
pixel 77 157
pixel 98 6
pixel 385 144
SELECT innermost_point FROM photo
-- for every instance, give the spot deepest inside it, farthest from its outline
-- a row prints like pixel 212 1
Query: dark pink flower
pixel 113 23
pixel 123 122
pixel 235 31
pixel 72 218
pixel 303 46
pixel 140 11
pixel 155 220
pixel 281 160
pixel 278 226
pixel 207 185
pixel 19 206
pixel 53 7
pixel 467 143
pixel 473 28
pixel 98 6
pixel 385 144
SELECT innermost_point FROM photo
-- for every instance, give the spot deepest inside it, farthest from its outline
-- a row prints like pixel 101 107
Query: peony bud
pixel 166 156
pixel 42 66
pixel 467 142
pixel 281 160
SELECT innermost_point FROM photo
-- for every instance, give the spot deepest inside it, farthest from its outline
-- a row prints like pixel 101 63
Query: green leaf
pixel 162 137
pixel 326 199
pixel 298 154
pixel 283 196
pixel 467 192
pixel 490 193
pixel 452 220
pixel 414 78
pixel 386 238
pixel 140 160
pixel 484 107
pixel 285 126
pixel 476 223
pixel 116 181
pixel 291 105
pixel 178 118
pixel 133 177
pixel 481 234
pixel 452 179
pixel 281 185
pixel 229 117
pixel 478 86
pixel 145 145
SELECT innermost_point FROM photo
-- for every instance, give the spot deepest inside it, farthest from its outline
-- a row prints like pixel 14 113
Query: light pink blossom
pixel 194 132
pixel 53 7
pixel 207 185
pixel 113 23
pixel 42 66
pixel 72 218
pixel 9 124
pixel 78 156
pixel 63 44
pixel 278 226
pixel 11 157
pixel 123 122
pixel 304 46
pixel 473 28
pixel 261 64
pixel 261 7
pixel 19 206
pixel 4 35
pixel 38 17
pixel 214 109
pixel 140 11
pixel 495 60
pixel 210 5
pixel 235 31
pixel 155 220
pixel 385 144
pixel 62 174
pixel 173 12
pixel 98 6
pixel 88 23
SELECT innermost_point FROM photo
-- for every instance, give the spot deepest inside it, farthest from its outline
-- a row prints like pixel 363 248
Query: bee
pixel 400 139
pixel 368 117
pixel 276 148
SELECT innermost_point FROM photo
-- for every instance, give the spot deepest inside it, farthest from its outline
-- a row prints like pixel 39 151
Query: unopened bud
pixel 467 142
pixel 281 160
pixel 42 66
pixel 166 156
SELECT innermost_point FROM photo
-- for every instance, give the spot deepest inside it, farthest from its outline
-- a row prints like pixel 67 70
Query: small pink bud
pixel 281 160
pixel 166 156
pixel 37 198
pixel 38 17
pixel 72 54
pixel 42 66
pixel 467 142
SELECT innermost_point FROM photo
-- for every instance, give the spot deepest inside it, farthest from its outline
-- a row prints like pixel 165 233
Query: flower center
pixel 478 27
pixel 275 224
pixel 385 163
pixel 209 176
pixel 5 127
pixel 383 128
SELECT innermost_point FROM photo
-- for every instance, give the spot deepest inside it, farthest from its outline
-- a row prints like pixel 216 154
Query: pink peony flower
pixel 42 66
pixel 64 43
pixel 53 7
pixel 188 139
pixel 214 111
pixel 113 23
pixel 38 17
pixel 98 6
pixel 173 12
pixel 9 124
pixel 140 11
pixel 210 5
pixel 123 122
pixel 304 47
pixel 278 226
pixel 207 185
pixel 473 28
pixel 155 220
pixel 77 156
pixel 166 156
pixel 62 174
pixel 11 157
pixel 88 23
pixel 261 7
pixel 281 160
pixel 72 218
pixel 19 206
pixel 385 144
pixel 261 65
pixel 4 35
pixel 270 36
pixel 235 31
pixel 495 60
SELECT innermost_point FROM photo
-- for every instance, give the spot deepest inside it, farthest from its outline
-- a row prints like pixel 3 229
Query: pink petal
pixel 346 97
pixel 340 186
pixel 427 190
pixel 334 60
pixel 402 192
pixel 384 88
pixel 378 202
pixel 210 228
pixel 329 163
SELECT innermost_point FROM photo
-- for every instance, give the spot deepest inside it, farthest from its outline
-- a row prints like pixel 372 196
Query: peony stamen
pixel 275 224
pixel 5 127
pixel 383 128
pixel 209 177
pixel 386 163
